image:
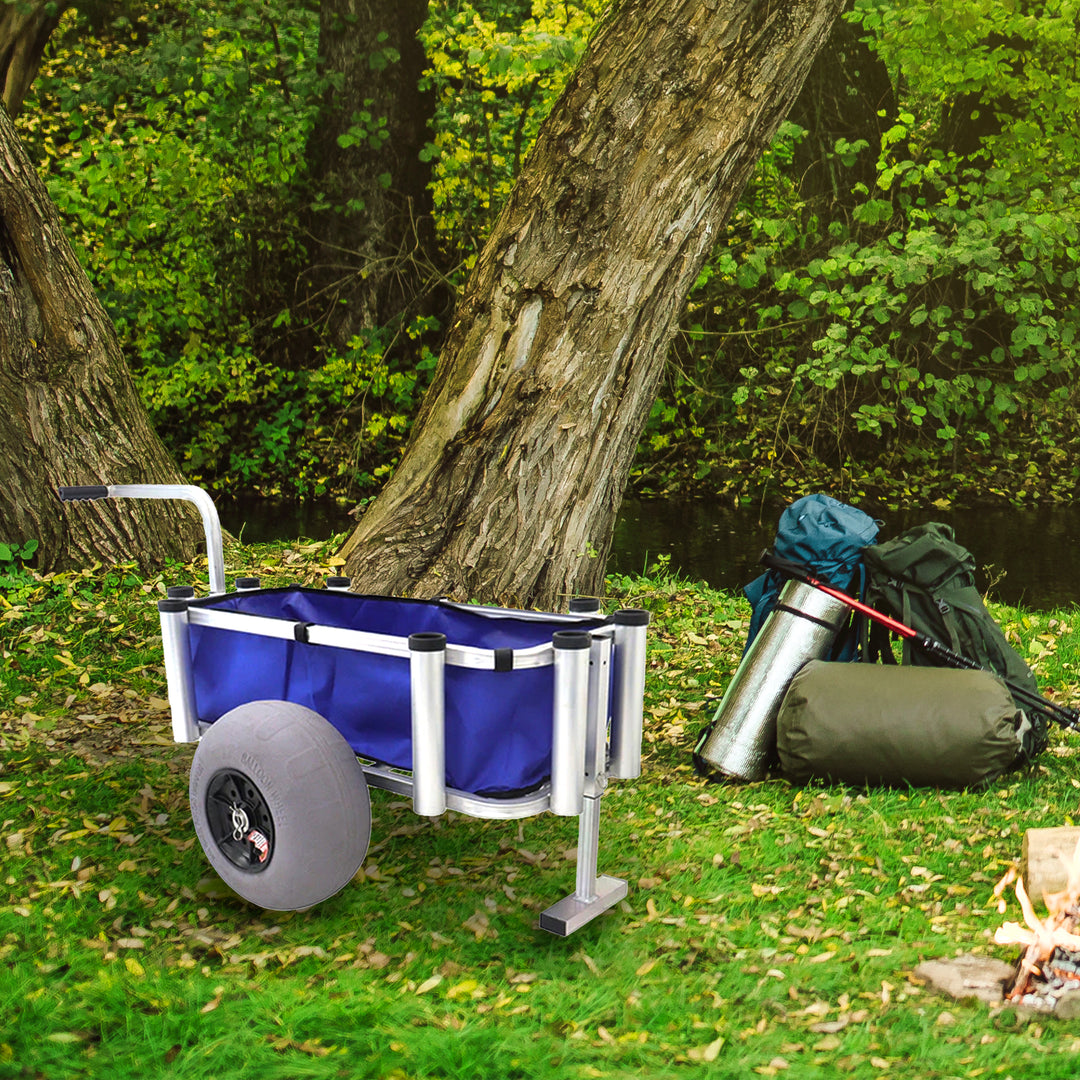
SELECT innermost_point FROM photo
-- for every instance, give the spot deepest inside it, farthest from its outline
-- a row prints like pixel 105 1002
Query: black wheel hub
pixel 240 820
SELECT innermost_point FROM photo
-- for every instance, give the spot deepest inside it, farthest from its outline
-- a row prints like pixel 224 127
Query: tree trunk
pixel 69 411
pixel 25 27
pixel 510 485
pixel 373 240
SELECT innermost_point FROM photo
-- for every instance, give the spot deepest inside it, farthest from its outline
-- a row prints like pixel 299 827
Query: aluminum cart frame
pixel 596 680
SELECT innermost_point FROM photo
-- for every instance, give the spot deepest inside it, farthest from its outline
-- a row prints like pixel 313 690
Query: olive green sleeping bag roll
pixel 875 724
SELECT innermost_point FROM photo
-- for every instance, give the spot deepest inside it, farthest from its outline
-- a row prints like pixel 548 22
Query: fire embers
pixel 1049 967
pixel 1044 988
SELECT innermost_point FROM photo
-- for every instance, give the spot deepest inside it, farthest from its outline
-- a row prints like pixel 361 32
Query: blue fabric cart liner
pixel 498 723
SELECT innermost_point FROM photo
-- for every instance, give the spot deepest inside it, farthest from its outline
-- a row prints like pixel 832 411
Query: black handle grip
pixel 80 494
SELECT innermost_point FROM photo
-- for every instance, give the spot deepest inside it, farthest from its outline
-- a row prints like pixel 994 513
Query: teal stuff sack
pixel 827 537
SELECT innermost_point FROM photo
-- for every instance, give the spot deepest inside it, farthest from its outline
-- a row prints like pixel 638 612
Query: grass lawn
pixel 769 930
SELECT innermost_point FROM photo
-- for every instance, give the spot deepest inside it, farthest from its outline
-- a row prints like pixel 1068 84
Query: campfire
pixel 1049 966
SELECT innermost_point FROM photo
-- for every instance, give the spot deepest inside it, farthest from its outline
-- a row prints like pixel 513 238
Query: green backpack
pixel 926 579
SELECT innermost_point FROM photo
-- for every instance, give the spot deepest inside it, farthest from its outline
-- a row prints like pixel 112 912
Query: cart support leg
pixel 594 894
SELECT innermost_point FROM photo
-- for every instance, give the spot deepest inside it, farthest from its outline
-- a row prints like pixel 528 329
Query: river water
pixel 1029 557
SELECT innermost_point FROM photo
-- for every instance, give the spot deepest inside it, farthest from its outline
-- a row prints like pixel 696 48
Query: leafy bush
pixel 174 144
pixel 175 149
pixel 916 325
pixel 496 70
pixel 921 331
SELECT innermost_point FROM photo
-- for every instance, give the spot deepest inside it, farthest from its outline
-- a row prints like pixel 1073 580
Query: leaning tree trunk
pixel 509 488
pixel 69 411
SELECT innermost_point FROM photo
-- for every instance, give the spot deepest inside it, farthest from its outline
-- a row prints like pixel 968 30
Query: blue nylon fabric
pixel 498 724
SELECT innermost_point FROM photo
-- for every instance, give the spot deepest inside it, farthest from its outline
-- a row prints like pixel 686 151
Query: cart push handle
pixel 187 492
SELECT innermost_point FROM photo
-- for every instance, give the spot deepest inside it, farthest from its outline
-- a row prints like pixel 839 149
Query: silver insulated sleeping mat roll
pixel 741 740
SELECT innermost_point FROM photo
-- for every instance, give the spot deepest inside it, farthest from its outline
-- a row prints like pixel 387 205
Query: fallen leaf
pixel 709 1052
pixel 831 1027
pixel 479 924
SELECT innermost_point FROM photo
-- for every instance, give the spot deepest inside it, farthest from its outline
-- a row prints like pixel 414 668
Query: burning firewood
pixel 1052 945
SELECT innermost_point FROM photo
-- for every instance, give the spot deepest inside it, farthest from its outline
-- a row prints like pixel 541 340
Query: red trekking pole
pixel 1061 714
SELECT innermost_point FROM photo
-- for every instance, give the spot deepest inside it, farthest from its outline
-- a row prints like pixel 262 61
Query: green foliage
pixel 900 333
pixel 174 145
pixel 336 426
pixel 14 575
pixel 176 163
pixel 175 148
pixel 12 555
pixel 496 70
pixel 926 325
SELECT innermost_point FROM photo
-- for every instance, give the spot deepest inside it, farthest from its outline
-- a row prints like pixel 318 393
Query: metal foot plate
pixel 570 913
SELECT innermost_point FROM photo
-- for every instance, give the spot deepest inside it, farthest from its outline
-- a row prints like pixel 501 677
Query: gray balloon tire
pixel 314 788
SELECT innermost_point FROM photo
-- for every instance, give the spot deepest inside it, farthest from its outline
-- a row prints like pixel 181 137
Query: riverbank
pixel 1023 556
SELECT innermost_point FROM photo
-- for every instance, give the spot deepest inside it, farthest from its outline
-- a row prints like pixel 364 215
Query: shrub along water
pixel 917 331
pixel 906 327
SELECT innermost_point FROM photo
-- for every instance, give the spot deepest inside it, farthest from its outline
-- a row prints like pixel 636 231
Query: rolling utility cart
pixel 300 698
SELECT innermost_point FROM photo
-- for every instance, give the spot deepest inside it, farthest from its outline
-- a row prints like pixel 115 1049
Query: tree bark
pixel 69 411
pixel 25 27
pixel 372 244
pixel 510 485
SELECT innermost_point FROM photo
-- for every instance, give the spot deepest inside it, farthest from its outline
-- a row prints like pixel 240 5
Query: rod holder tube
pixel 627 714
pixel 570 706
pixel 427 670
pixel 173 614
pixel 584 605
pixel 740 742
